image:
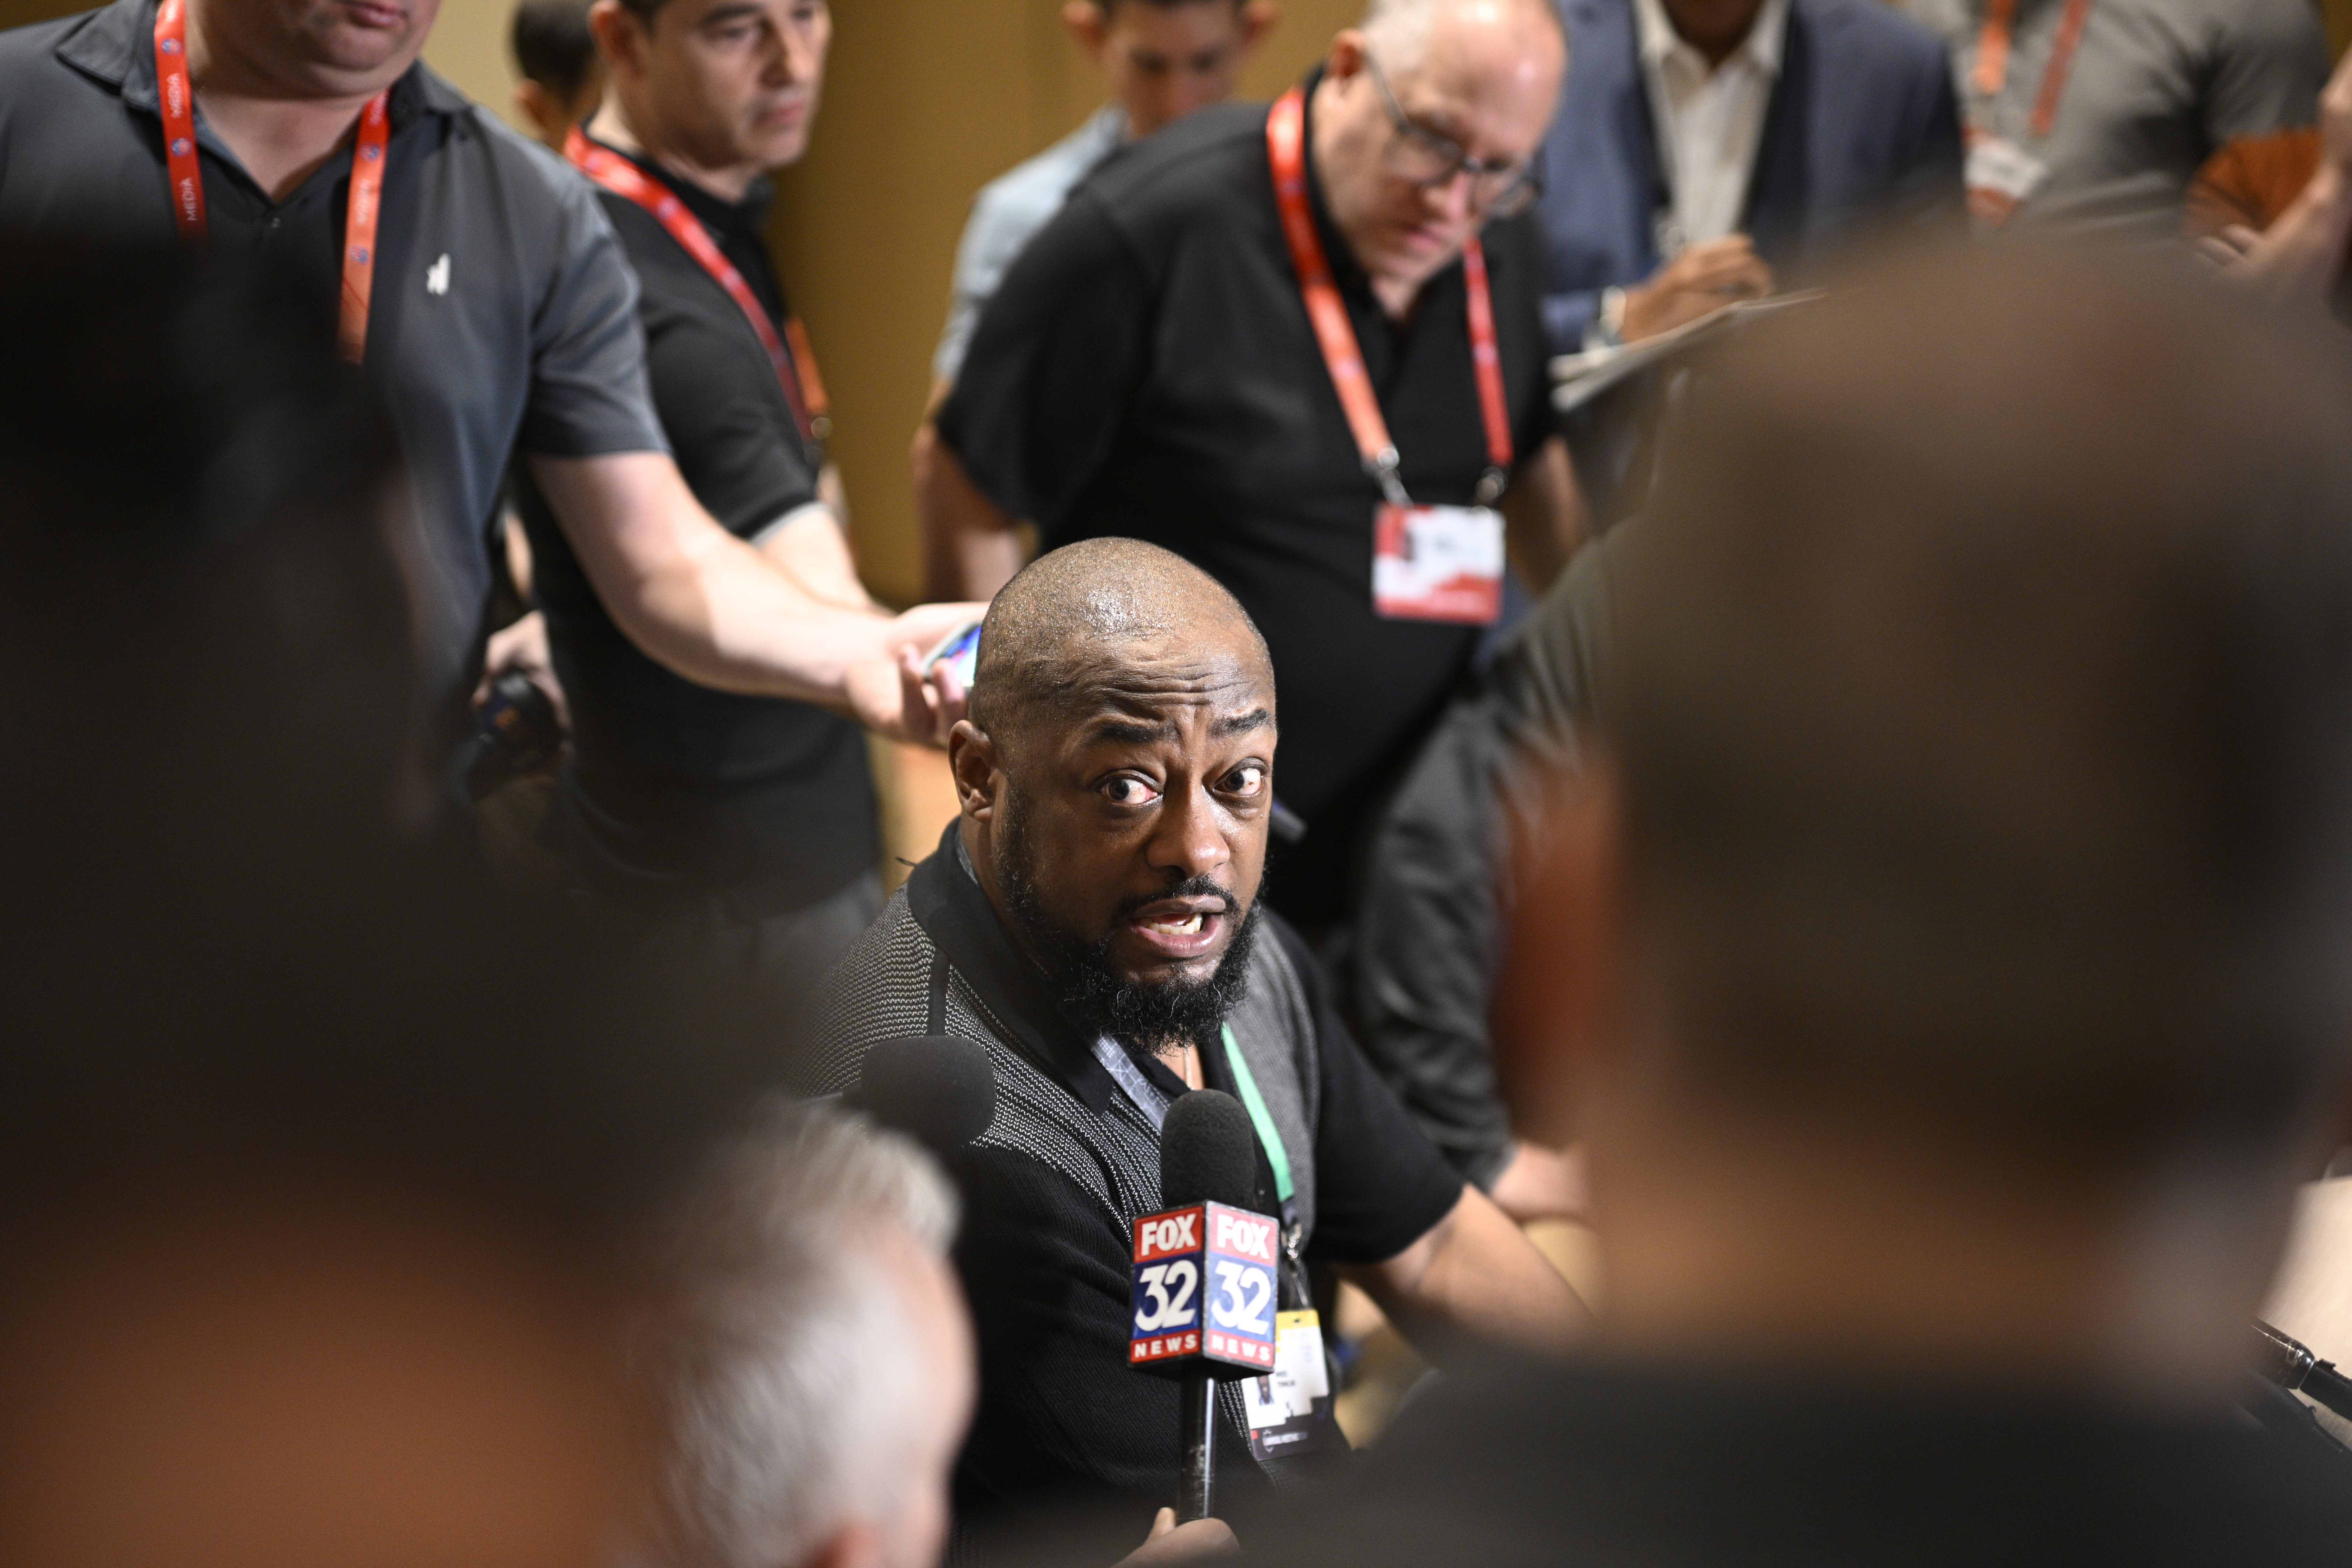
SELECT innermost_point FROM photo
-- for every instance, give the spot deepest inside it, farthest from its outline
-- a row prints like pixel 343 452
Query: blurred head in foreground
pixel 208 648
pixel 315 1177
pixel 1960 920
pixel 807 1353
pixel 317 1250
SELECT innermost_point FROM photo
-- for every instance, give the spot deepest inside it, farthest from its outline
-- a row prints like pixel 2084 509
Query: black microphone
pixel 1203 1276
pixel 936 1089
pixel 1208 1153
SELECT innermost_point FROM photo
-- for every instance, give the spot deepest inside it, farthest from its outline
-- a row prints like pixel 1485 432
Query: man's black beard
pixel 1148 1015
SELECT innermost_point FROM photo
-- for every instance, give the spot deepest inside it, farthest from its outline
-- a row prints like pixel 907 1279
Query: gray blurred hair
pixel 777 1349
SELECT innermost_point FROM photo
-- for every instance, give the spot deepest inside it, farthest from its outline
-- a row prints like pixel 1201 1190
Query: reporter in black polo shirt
pixel 743 827
pixel 1154 366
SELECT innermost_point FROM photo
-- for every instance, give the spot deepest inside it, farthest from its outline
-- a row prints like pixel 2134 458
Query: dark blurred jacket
pixel 1626 1467
pixel 1438 889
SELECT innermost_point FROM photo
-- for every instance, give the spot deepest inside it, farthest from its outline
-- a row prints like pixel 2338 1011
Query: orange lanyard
pixel 176 99
pixel 1286 154
pixel 623 178
pixel 1992 73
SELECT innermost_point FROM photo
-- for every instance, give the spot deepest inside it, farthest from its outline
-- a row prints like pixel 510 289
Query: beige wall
pixel 468 45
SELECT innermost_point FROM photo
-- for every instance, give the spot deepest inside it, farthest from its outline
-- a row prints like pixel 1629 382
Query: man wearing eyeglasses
pixel 1303 348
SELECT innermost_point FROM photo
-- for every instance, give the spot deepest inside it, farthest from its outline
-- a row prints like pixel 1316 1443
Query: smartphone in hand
pixel 960 651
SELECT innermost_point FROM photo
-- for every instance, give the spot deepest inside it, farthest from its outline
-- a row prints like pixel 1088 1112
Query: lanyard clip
pixel 1382 465
pixel 1491 486
pixel 1300 1290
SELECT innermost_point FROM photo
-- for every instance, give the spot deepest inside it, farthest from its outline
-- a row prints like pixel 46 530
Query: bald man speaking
pixel 1302 346
pixel 1092 920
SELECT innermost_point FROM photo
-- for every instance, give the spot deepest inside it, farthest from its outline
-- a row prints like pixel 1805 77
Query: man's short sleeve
pixel 730 431
pixel 745 465
pixel 1380 1184
pixel 2272 64
pixel 1053 366
pixel 588 391
pixel 963 314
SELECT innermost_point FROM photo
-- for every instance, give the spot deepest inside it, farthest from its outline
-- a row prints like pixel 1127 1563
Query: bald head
pixel 1075 618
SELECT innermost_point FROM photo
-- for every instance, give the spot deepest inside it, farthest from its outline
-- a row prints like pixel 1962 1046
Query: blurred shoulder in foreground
pixel 1944 947
pixel 315 1172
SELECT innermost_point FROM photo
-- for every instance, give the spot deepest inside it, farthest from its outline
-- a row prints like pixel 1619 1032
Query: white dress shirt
pixel 1709 120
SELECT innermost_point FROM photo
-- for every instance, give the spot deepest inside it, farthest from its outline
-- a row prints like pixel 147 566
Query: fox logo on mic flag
pixel 1203 1288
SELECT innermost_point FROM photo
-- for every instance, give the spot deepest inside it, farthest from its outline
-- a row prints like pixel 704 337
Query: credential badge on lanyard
pixel 2003 175
pixel 1429 563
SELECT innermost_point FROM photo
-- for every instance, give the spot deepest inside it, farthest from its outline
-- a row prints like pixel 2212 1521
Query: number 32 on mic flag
pixel 1203 1287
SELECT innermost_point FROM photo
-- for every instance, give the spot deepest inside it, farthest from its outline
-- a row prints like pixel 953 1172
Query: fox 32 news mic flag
pixel 1203 1286
pixel 1203 1280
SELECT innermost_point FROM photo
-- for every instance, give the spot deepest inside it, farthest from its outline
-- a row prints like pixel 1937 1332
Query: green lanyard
pixel 1267 1134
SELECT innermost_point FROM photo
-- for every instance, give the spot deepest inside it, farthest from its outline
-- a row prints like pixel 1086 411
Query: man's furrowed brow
pixel 1131 731
pixel 1145 731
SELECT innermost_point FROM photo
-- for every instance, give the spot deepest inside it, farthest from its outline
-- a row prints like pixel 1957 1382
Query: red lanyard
pixel 1991 71
pixel 176 99
pixel 820 406
pixel 1286 153
pixel 623 178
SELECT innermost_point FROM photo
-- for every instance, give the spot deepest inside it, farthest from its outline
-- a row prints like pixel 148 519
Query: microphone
pixel 1208 1154
pixel 938 1090
pixel 1201 1285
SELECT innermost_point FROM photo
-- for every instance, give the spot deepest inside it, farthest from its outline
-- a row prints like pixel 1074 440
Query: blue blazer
pixel 1862 128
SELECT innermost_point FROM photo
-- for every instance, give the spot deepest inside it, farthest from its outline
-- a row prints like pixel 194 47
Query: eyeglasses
pixel 1421 156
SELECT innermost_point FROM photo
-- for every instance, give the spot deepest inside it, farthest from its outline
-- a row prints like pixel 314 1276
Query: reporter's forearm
pixel 723 616
pixel 692 595
pixel 809 543
pixel 970 546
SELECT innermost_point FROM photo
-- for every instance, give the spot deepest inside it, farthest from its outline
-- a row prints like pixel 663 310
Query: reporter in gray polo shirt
pixel 493 304
pixel 2092 116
